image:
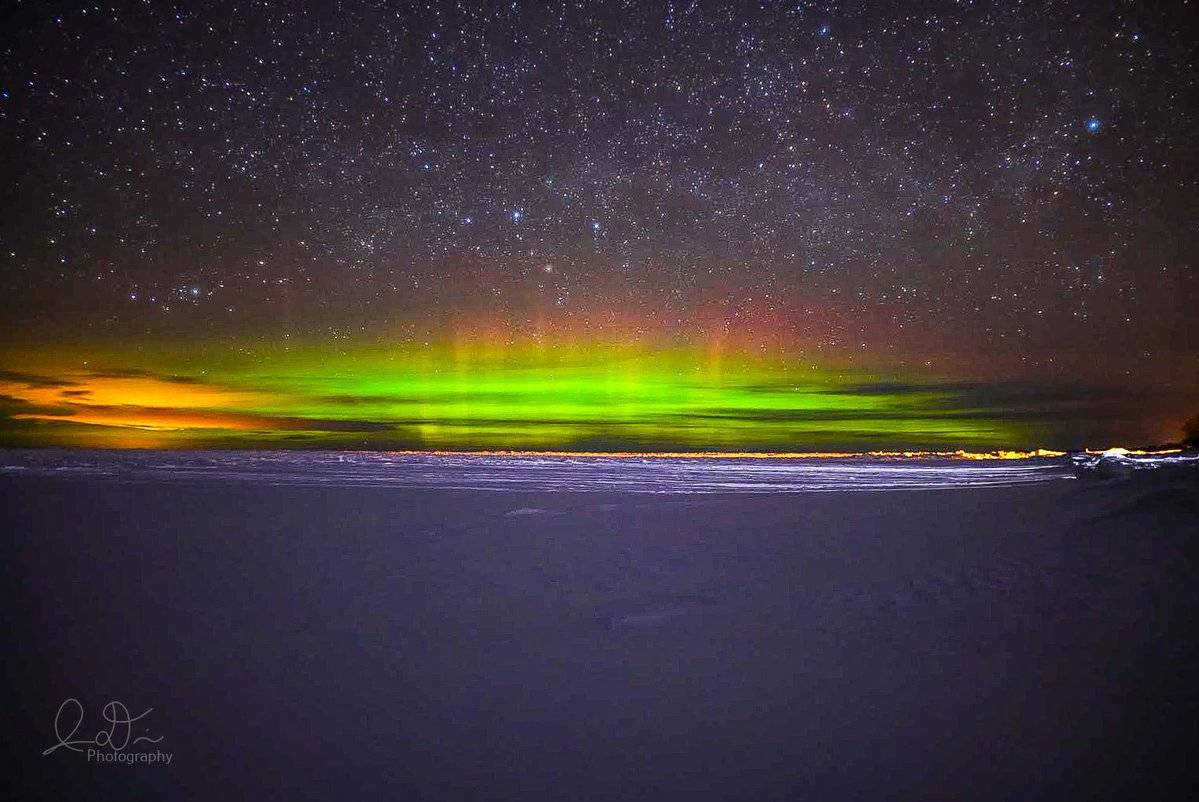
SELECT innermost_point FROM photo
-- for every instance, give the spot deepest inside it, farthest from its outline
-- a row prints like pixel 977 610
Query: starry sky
pixel 515 225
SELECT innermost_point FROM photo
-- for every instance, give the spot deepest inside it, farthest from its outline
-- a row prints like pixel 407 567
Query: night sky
pixel 453 225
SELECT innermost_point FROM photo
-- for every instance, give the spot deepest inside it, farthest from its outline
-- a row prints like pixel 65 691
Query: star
pixel 894 188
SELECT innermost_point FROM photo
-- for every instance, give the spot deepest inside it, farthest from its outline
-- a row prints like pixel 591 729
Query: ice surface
pixel 535 473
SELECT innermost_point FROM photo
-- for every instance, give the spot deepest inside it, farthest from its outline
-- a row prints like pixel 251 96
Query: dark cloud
pixel 11 406
pixel 140 373
pixel 34 379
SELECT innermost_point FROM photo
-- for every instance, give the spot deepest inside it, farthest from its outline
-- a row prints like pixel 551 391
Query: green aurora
pixel 480 396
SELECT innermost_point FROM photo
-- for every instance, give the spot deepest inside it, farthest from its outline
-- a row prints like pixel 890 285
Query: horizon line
pixel 960 454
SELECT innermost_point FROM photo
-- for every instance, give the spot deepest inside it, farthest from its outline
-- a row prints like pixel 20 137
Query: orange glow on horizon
pixel 119 391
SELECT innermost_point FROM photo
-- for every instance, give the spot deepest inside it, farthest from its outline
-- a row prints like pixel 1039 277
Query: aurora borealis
pixel 597 226
pixel 482 396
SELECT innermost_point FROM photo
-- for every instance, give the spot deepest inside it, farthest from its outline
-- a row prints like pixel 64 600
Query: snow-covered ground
pixel 309 639
pixel 533 473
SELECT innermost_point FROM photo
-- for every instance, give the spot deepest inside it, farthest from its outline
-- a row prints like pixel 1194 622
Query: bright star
pixel 1094 124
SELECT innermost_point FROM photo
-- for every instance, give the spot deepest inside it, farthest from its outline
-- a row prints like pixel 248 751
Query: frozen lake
pixel 537 472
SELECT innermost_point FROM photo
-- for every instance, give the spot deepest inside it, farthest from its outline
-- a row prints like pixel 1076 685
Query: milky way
pixel 948 192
